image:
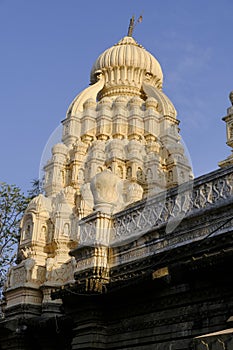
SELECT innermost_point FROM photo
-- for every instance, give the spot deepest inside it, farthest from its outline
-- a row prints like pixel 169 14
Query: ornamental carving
pixel 154 212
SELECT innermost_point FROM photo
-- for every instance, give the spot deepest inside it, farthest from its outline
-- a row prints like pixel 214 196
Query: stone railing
pixel 170 208
pixel 167 209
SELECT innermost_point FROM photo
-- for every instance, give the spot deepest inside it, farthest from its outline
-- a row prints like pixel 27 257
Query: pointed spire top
pixel 132 25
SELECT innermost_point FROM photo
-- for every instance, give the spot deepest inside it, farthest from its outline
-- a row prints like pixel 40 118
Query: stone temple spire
pixel 229 131
pixel 120 144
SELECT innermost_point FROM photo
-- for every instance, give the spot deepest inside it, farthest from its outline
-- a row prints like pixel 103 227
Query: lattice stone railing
pixel 168 208
pixel 171 207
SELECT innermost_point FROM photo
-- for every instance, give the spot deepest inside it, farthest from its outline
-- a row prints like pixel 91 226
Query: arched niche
pixel 27 228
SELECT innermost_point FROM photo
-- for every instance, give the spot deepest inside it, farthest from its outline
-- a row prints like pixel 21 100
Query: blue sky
pixel 49 46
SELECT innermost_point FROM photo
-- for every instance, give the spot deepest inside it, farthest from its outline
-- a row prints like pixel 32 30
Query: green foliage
pixel 36 188
pixel 13 203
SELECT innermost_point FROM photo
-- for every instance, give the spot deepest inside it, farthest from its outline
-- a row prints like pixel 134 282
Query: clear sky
pixel 48 48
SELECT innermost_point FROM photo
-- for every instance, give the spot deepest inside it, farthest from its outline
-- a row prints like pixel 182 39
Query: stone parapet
pixel 168 208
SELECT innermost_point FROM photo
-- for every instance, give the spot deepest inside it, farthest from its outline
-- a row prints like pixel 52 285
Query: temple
pixel 125 249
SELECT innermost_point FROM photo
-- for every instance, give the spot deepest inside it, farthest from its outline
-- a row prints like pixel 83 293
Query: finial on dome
pixel 231 97
pixel 132 25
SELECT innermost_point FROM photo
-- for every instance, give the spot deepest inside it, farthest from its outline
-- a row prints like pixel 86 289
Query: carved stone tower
pixel 120 145
pixel 229 130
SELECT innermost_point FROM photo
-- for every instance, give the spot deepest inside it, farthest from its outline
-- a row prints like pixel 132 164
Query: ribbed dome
pixel 59 148
pixel 127 64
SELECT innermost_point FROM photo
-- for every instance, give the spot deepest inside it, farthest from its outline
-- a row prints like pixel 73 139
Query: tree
pixel 36 188
pixel 13 203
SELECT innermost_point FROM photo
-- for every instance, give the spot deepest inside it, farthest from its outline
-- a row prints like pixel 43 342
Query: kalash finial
pixel 132 25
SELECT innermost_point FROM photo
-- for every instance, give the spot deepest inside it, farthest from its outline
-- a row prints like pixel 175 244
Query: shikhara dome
pixel 127 64
pixel 125 69
pixel 114 221
pixel 120 144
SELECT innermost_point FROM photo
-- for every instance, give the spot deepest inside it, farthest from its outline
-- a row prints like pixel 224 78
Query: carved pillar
pixel 88 121
pixel 135 120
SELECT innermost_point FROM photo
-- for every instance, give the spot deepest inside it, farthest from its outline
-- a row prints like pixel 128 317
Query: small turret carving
pixel 228 119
